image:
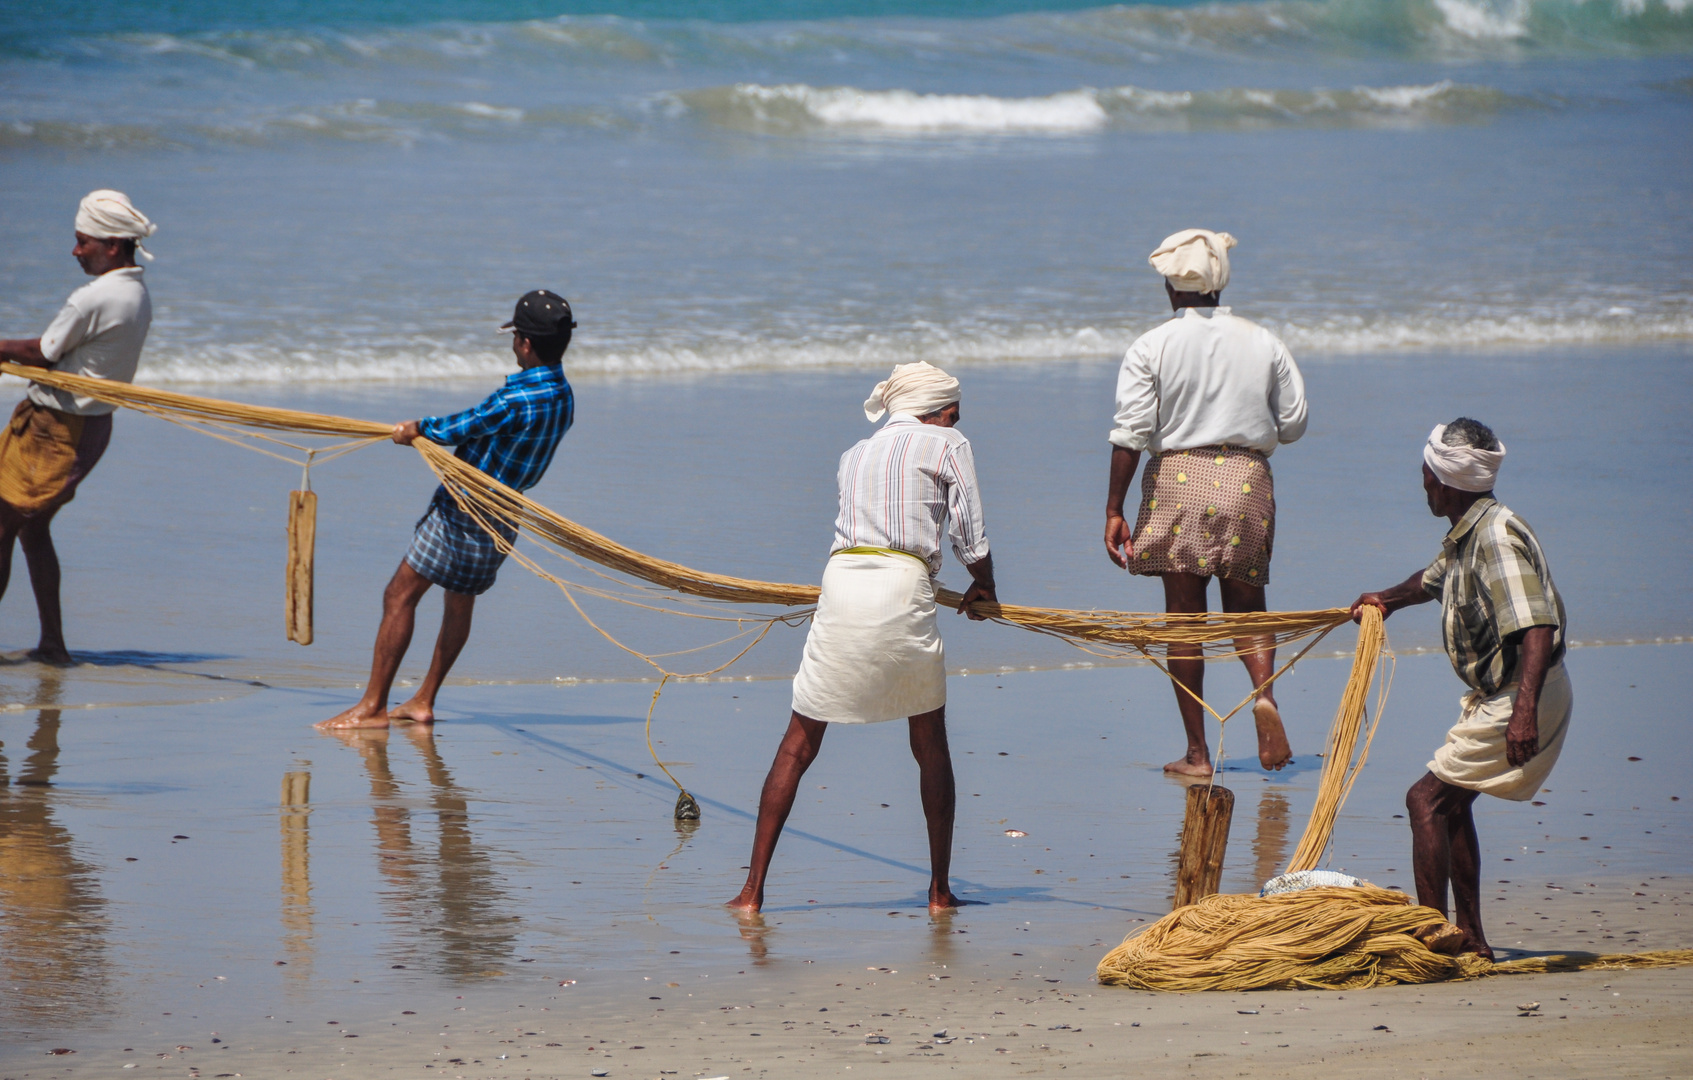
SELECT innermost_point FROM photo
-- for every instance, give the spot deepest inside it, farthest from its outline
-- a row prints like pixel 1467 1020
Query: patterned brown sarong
pixel 45 454
pixel 1211 511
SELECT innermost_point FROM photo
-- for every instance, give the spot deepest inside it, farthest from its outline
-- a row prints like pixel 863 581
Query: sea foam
pixel 417 360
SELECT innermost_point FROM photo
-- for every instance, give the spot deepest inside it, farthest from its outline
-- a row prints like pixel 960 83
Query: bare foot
pixel 1474 943
pixel 359 716
pixel 1188 766
pixel 747 903
pixel 416 710
pixel 1442 938
pixel 943 901
pixel 56 655
pixel 1273 750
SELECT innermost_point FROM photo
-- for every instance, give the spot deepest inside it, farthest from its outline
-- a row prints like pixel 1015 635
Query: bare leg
pixel 799 748
pixel 1259 656
pixel 399 615
pixel 10 523
pixel 1185 594
pixel 1445 850
pixel 36 538
pixel 940 802
pixel 456 610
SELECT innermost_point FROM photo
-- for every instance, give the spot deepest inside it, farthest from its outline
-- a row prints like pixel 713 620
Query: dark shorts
pixel 453 551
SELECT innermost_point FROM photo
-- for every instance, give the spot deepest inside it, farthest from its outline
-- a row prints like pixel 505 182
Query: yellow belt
pixel 879 551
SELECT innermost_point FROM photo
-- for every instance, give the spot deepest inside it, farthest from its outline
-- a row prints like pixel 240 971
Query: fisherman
pixel 512 437
pixel 1502 622
pixel 873 652
pixel 1210 398
pixel 55 438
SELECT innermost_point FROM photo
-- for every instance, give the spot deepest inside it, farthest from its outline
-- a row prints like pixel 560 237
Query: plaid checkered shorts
pixel 452 550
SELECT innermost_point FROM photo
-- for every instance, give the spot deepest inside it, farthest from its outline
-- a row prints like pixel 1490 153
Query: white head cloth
pixel 109 215
pixel 1466 468
pixel 918 389
pixel 1194 260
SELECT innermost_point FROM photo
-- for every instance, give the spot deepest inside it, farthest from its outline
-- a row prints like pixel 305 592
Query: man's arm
pixel 1522 734
pixel 490 416
pixel 1407 593
pixel 1287 399
pixel 1118 542
pixel 26 351
pixel 982 588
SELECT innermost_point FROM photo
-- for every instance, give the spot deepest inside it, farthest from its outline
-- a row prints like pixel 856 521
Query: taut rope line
pixel 489 502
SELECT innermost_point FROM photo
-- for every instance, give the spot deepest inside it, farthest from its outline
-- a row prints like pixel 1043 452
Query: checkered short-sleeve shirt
pixel 1493 584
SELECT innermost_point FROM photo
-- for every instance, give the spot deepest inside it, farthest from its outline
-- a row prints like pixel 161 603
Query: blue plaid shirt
pixel 512 435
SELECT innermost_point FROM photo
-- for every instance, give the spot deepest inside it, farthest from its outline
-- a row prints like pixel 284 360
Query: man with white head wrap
pixel 1502 622
pixel 873 652
pixel 55 438
pixel 1210 398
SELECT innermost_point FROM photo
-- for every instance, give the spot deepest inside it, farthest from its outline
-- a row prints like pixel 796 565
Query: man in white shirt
pixel 1210 398
pixel 873 652
pixel 55 438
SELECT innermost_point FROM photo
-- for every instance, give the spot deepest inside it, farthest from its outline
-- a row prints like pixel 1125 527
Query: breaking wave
pixel 347 363
pixel 798 109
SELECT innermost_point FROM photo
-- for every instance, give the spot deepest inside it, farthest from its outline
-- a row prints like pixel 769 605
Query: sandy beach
pixel 956 1008
pixel 522 864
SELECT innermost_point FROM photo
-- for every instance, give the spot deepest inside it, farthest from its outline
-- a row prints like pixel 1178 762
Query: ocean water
pixel 357 192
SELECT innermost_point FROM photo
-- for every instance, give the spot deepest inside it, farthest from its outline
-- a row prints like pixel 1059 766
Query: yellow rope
pixel 1325 938
pixel 500 510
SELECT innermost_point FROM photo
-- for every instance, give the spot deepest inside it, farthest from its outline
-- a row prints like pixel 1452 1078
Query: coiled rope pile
pixel 1320 937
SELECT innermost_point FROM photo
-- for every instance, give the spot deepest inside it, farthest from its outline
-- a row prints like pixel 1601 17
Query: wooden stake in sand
pixel 1205 838
pixel 302 543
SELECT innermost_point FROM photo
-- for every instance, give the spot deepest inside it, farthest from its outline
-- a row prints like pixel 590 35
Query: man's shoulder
pixel 1500 526
pixel 535 384
pixel 1153 338
pixel 1240 324
pixel 114 287
pixel 949 435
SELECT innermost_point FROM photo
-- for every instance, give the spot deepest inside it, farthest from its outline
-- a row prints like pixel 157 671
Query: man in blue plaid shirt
pixel 511 437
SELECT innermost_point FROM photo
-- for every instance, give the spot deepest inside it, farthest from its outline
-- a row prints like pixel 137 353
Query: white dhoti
pixel 1474 754
pixel 873 652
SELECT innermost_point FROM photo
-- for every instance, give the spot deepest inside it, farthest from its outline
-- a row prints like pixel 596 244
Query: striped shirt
pixel 1493 585
pixel 512 435
pixel 901 484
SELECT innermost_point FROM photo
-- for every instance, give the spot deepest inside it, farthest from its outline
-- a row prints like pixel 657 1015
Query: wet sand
pixel 164 857
pixel 955 1009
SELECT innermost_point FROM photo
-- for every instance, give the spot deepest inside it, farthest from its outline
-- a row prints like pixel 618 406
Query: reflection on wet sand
pixel 53 962
pixel 297 910
pixel 446 903
pixel 1269 846
pixel 753 931
pixel 1269 843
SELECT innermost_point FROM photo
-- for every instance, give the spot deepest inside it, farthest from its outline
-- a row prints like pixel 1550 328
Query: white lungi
pixel 1474 754
pixel 873 652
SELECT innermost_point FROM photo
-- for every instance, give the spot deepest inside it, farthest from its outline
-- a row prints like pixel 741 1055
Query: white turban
pixel 109 215
pixel 1466 468
pixel 918 389
pixel 1194 260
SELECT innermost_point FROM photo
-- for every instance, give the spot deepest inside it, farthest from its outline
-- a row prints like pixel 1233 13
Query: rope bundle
pixel 1317 939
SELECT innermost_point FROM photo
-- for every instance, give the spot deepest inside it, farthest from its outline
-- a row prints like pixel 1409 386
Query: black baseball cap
pixel 540 314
